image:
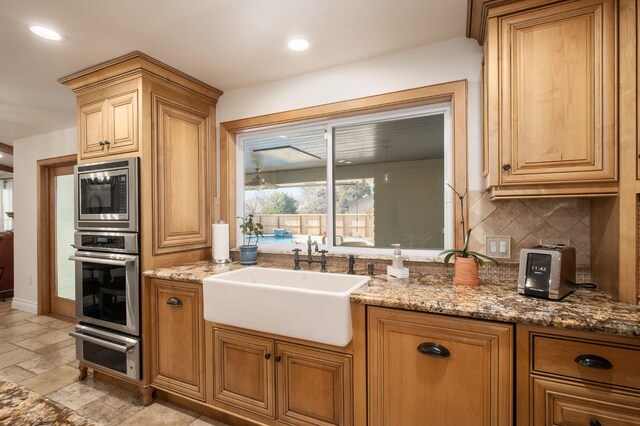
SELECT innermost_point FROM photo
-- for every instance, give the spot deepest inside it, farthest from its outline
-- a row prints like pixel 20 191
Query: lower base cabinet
pixel 177 338
pixel 283 381
pixel 570 378
pixel 427 369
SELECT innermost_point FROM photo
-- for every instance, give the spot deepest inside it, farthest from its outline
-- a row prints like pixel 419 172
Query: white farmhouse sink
pixel 307 305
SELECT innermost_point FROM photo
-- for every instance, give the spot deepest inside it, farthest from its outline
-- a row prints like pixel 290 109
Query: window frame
pixel 455 92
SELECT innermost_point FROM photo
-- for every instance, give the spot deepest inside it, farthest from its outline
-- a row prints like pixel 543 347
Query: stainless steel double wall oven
pixel 108 266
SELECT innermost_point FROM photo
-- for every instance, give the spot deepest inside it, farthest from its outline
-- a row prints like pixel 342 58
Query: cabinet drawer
pixel 564 404
pixel 560 356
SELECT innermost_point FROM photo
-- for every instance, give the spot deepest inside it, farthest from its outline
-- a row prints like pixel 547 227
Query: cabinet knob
pixel 278 358
pixel 594 361
pixel 506 167
pixel 434 350
pixel 594 422
pixel 101 143
pixel 267 356
pixel 174 301
pixel 107 143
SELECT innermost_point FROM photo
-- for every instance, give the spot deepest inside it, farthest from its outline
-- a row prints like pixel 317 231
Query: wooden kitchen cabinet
pixel 427 369
pixel 177 337
pixel 569 378
pixel 134 105
pixel 243 371
pixel 182 168
pixel 550 98
pixel 108 122
pixel 282 381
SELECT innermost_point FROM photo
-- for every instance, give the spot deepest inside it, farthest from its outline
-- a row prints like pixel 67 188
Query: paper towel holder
pixel 222 260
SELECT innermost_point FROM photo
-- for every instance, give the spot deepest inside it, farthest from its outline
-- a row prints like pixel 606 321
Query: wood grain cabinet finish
pixel 243 371
pixel 314 386
pixel 108 126
pixel 181 170
pixel 550 91
pixel 570 378
pixel 284 382
pixel 177 338
pixel 427 369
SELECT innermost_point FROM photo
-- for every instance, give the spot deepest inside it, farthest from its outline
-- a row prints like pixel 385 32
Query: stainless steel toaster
pixel 547 271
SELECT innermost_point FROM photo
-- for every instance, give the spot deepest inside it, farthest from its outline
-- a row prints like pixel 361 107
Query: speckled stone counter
pixel 497 300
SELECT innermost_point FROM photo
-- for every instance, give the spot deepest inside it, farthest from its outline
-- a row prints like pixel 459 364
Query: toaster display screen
pixel 538 274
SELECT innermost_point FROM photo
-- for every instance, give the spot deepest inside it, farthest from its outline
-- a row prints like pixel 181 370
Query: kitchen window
pixel 355 185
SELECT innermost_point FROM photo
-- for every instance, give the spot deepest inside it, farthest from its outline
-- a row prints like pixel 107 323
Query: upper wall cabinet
pixel 136 106
pixel 108 121
pixel 550 92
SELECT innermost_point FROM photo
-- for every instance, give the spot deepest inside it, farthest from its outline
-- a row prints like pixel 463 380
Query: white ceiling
pixel 226 43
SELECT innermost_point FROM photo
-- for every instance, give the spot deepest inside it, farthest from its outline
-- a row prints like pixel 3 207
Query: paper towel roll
pixel 220 242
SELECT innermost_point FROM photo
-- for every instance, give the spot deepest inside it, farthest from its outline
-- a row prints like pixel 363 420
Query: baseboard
pixel 24 305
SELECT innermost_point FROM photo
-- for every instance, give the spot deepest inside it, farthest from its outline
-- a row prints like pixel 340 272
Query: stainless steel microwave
pixel 106 195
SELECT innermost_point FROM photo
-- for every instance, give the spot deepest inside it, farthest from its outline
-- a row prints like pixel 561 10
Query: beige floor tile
pixel 75 395
pixel 161 413
pixel 14 338
pixel 15 374
pixel 6 347
pixel 15 316
pixel 43 340
pixel 51 380
pixel 48 349
pixel 109 415
pixel 207 421
pixel 47 362
pixel 15 356
pixel 21 331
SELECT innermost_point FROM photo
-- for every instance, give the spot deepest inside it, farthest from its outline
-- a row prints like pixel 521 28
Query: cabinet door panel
pixel 557 94
pixel 314 386
pixel 566 404
pixel 470 385
pixel 181 170
pixel 244 371
pixel 177 338
pixel 123 123
pixel 91 118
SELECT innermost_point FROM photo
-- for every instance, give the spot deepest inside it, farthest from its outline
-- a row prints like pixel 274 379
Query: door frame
pixel 45 257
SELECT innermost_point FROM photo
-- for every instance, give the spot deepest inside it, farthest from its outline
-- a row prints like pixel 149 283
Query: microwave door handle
pixel 119 348
pixel 101 260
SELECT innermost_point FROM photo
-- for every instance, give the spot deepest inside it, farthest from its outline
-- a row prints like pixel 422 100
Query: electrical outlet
pixel 498 246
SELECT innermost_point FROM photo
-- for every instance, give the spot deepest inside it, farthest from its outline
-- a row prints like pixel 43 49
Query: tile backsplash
pixel 528 221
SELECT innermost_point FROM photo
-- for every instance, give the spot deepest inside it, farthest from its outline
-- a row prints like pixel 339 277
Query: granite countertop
pixel 584 310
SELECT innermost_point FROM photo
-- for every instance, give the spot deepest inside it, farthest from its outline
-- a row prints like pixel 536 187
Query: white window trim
pixel 449 206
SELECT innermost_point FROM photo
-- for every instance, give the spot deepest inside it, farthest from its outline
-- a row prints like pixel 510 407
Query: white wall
pixel 26 153
pixel 457 59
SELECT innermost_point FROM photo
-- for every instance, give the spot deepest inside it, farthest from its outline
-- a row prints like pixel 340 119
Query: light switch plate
pixel 494 244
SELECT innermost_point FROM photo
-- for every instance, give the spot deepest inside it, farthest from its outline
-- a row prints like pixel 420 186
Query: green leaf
pixel 448 258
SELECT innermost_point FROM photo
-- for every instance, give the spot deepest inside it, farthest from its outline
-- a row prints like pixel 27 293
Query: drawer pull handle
pixel 594 422
pixel 433 349
pixel 594 361
pixel 174 301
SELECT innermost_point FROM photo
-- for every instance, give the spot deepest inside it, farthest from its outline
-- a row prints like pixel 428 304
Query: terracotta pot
pixel 466 271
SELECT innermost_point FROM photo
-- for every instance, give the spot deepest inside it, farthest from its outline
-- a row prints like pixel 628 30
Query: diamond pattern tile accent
pixel 527 221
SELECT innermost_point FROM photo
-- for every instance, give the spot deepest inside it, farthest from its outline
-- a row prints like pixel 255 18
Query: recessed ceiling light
pixel 298 44
pixel 45 32
pixel 1 155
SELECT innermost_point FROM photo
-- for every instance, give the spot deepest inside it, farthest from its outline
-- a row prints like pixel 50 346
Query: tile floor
pixel 37 352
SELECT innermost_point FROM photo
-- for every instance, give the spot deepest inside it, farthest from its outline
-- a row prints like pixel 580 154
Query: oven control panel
pixel 118 242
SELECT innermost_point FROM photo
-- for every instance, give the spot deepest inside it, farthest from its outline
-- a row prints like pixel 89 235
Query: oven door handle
pixel 101 260
pixel 119 348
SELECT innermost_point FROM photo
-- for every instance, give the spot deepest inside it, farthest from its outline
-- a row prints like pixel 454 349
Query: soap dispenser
pixel 396 269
